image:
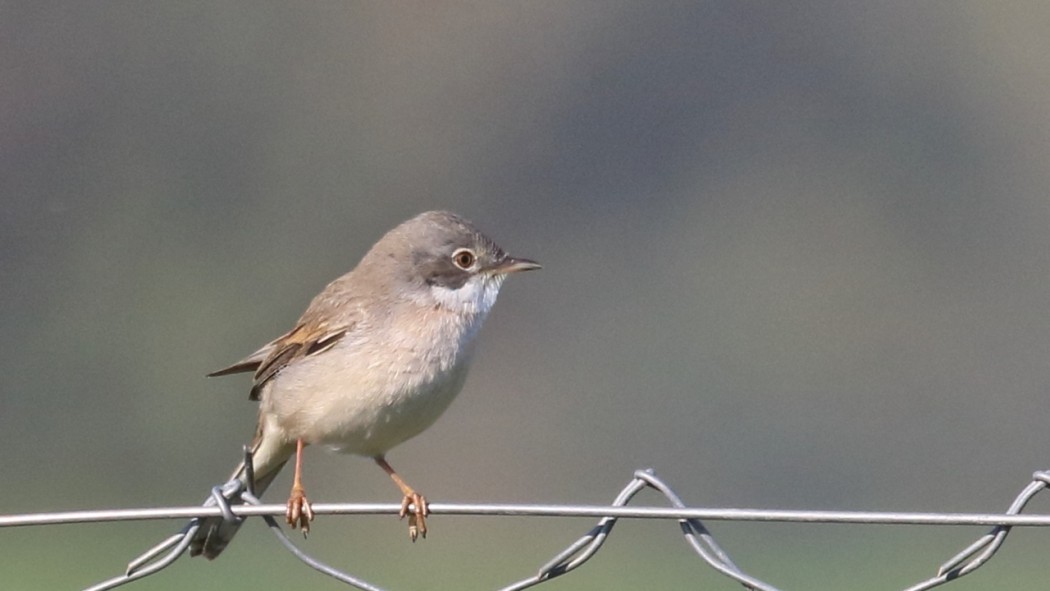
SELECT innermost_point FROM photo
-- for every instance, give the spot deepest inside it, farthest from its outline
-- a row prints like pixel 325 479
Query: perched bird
pixel 374 360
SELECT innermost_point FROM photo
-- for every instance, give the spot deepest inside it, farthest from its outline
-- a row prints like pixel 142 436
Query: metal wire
pixel 526 510
pixel 233 502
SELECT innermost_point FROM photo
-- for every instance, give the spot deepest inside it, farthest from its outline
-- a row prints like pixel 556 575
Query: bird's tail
pixel 268 457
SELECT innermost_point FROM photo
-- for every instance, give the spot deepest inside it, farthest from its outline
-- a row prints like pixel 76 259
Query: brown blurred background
pixel 795 257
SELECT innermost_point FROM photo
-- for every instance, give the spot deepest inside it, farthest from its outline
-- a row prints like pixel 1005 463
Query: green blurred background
pixel 795 257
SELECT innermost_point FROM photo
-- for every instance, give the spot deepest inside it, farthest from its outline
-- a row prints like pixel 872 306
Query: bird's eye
pixel 463 258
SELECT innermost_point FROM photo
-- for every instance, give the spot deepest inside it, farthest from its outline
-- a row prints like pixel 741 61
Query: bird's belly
pixel 373 424
pixel 362 409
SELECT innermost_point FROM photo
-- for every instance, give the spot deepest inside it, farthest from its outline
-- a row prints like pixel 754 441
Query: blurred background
pixel 795 257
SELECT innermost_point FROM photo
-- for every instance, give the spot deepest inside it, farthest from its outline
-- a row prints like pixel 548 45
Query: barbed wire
pixel 221 503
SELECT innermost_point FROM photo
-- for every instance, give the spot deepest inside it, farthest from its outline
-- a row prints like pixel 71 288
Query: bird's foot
pixel 417 518
pixel 299 512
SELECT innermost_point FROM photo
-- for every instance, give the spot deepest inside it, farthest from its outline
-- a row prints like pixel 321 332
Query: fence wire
pixel 223 498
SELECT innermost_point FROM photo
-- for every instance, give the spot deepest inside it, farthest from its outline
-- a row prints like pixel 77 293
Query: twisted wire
pixel 232 502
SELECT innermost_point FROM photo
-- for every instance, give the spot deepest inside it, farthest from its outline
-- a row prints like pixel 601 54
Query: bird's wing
pixel 252 362
pixel 302 341
pixel 333 313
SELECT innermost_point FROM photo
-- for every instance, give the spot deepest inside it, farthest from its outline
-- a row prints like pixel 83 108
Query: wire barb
pixel 235 500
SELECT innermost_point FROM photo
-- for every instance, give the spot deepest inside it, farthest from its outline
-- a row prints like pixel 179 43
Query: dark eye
pixel 463 258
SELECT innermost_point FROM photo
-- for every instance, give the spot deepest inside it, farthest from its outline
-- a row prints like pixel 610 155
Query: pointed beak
pixel 512 265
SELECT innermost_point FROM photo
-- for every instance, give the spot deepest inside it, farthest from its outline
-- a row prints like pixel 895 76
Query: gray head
pixel 440 258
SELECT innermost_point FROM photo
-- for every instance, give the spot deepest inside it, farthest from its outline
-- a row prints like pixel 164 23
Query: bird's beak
pixel 512 265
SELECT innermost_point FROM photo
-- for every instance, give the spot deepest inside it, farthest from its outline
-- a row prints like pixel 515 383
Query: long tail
pixel 215 533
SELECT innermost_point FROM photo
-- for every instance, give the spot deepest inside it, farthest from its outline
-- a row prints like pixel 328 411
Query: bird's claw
pixel 417 518
pixel 299 512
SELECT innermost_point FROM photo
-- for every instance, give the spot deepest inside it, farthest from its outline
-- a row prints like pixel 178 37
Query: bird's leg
pixel 299 512
pixel 417 520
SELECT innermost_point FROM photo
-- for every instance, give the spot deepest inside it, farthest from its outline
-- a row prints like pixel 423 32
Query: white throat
pixel 473 300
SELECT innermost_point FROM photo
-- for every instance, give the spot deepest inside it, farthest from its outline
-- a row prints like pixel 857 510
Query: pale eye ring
pixel 464 258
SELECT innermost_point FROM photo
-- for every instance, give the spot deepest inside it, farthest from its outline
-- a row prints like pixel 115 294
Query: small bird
pixel 374 360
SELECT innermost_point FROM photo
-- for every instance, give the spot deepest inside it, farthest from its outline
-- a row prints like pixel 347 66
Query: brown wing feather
pixel 239 367
pixel 252 362
pixel 298 344
pixel 273 364
pixel 314 334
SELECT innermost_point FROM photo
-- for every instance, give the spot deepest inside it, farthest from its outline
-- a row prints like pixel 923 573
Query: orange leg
pixel 299 512
pixel 417 520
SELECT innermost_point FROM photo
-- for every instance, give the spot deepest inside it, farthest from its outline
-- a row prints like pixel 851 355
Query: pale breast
pixel 378 387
